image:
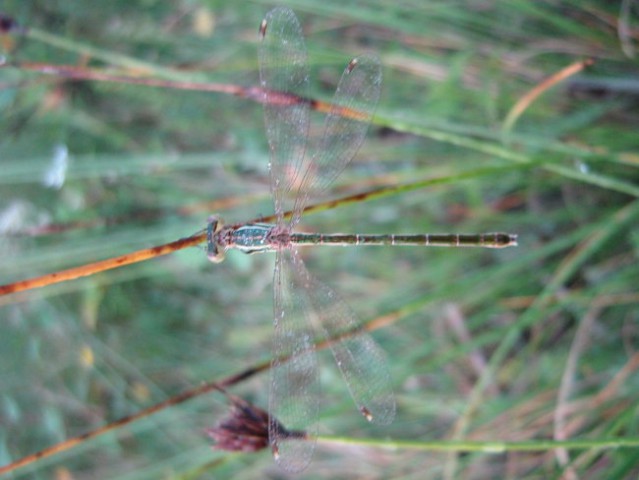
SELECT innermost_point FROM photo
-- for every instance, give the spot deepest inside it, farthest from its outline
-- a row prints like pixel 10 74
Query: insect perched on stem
pixel 302 304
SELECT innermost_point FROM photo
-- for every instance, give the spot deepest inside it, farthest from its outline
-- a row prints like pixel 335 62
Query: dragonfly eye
pixel 214 254
pixel 215 223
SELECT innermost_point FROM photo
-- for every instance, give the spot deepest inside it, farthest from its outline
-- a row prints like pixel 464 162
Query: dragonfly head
pixel 214 252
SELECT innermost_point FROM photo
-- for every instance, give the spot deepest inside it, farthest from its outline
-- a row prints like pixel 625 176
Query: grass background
pixel 520 344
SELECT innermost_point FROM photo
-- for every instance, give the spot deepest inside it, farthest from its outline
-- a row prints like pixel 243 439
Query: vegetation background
pixel 524 344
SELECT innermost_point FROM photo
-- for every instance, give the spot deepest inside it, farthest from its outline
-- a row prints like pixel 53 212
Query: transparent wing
pixel 283 70
pixel 294 396
pixel 345 126
pixel 360 359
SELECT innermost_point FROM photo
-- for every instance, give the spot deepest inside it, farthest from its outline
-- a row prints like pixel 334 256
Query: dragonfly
pixel 307 311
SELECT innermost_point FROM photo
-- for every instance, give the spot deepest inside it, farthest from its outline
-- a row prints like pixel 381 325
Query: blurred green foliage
pixel 521 344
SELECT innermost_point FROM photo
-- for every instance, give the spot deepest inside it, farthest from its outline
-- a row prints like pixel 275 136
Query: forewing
pixel 284 70
pixel 294 395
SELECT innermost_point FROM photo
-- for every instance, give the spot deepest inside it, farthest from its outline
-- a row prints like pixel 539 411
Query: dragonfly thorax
pixel 253 237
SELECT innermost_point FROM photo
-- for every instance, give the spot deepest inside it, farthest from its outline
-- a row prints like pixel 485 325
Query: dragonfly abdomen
pixel 487 240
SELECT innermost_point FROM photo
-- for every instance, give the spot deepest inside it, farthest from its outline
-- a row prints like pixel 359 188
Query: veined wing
pixel 345 126
pixel 294 395
pixel 361 361
pixel 283 70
